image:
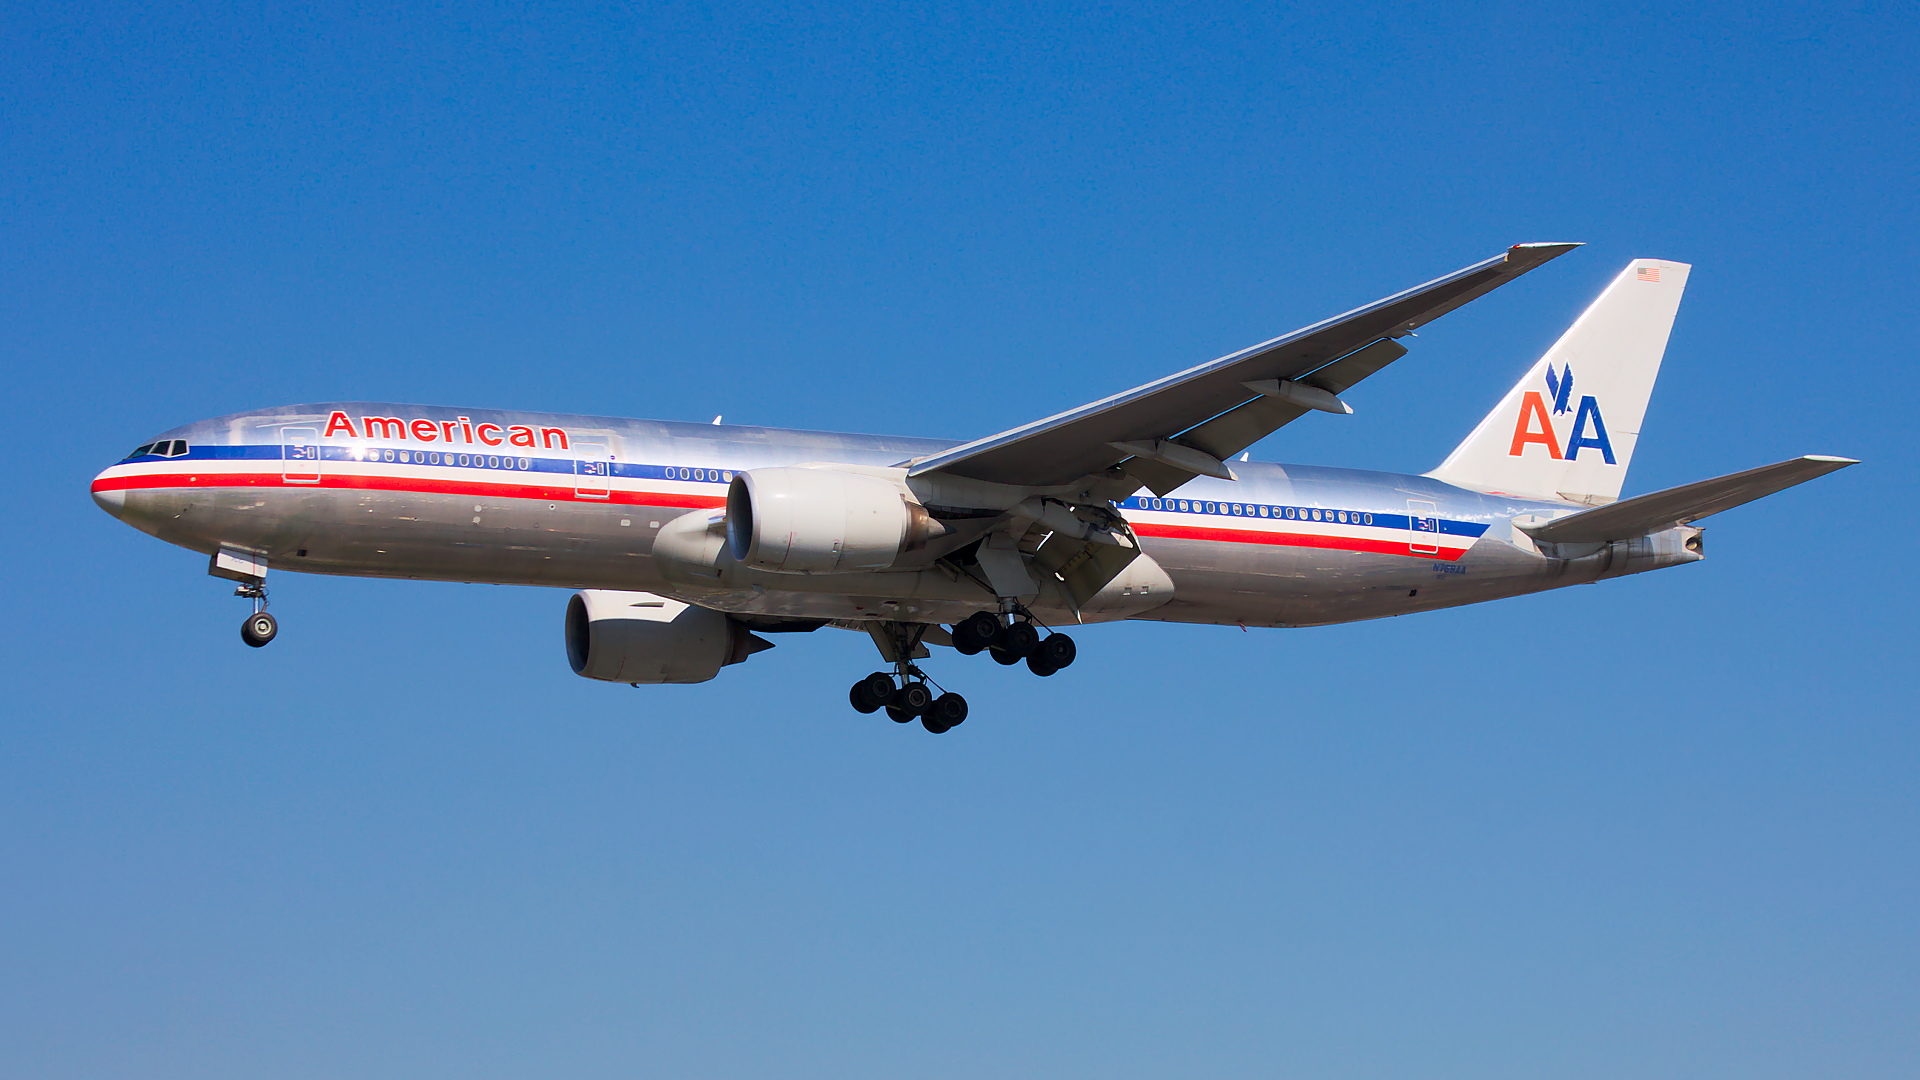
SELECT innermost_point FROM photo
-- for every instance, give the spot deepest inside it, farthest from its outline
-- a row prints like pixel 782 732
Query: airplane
pixel 690 543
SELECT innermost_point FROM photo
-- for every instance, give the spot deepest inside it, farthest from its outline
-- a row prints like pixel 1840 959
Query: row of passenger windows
pixel 1297 513
pixel 427 457
pixel 423 457
pixel 163 448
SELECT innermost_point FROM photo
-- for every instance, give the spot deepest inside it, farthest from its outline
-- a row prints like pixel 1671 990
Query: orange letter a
pixel 1523 431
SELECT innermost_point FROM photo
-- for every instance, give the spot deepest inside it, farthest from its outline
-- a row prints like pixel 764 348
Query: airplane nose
pixel 113 501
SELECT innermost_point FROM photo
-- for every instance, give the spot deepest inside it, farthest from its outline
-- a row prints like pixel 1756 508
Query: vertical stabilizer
pixel 1567 430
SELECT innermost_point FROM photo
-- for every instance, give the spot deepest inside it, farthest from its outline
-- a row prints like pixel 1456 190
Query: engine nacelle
pixel 637 637
pixel 821 521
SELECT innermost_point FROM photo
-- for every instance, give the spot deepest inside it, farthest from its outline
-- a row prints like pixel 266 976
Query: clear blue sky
pixel 1662 827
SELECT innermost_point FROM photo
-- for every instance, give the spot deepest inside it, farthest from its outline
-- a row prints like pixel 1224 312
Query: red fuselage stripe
pixel 417 484
pixel 1290 539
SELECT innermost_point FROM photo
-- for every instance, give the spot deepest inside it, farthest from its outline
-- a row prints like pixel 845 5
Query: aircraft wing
pixel 1187 424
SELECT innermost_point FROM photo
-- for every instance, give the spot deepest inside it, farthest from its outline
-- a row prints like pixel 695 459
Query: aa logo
pixel 1534 425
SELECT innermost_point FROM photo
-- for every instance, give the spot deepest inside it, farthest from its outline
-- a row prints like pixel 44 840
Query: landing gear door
pixel 300 455
pixel 592 469
pixel 1423 527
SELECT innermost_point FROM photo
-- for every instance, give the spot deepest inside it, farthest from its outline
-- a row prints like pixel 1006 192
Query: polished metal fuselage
pixel 576 502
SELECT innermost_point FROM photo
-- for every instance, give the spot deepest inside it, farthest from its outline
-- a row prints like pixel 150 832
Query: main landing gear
pixel 1011 641
pixel 907 694
pixel 908 697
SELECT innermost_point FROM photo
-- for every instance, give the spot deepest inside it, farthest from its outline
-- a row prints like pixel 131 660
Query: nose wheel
pixel 259 627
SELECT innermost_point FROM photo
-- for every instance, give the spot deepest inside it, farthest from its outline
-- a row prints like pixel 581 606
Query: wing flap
pixel 1682 505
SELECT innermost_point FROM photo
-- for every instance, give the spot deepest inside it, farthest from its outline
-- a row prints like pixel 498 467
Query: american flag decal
pixel 1649 273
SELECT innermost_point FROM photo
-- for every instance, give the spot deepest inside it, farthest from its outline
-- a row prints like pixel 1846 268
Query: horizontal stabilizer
pixel 1644 514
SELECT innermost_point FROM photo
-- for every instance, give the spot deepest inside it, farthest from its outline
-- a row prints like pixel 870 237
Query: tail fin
pixel 1567 430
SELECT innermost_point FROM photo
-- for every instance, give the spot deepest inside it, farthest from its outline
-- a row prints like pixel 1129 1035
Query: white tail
pixel 1567 430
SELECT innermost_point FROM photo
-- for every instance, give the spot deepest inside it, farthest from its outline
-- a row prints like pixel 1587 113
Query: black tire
pixel 949 711
pixel 914 699
pixel 977 631
pixel 1039 666
pixel 1020 639
pixel 898 716
pixel 259 629
pixel 1002 656
pixel 1058 651
pixel 871 692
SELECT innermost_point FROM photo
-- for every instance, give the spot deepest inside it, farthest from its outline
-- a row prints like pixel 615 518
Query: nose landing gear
pixel 249 568
pixel 259 627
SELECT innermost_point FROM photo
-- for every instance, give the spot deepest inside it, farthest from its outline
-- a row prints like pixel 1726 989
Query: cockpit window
pixel 143 448
pixel 179 448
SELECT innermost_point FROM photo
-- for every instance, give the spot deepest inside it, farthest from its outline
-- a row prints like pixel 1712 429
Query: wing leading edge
pixel 1211 410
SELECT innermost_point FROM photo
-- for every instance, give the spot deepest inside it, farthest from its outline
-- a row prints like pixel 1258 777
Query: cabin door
pixel 1423 527
pixel 592 469
pixel 300 455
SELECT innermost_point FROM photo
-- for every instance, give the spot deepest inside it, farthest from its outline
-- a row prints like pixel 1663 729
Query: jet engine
pixel 822 521
pixel 637 637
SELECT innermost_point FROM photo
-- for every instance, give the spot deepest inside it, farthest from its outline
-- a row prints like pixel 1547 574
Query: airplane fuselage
pixel 407 491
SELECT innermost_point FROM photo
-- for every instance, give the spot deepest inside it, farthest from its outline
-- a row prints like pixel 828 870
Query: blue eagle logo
pixel 1560 388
